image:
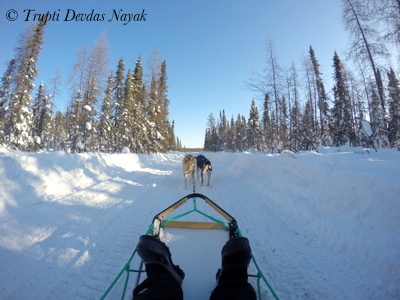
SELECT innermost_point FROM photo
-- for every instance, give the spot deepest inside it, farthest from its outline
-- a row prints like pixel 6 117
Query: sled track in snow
pixel 72 247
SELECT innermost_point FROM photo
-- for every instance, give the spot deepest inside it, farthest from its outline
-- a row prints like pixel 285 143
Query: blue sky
pixel 211 47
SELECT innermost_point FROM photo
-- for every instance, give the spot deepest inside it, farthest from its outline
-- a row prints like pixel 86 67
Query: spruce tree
pixel 163 102
pixel 341 124
pixel 74 121
pixel 222 131
pixel 137 112
pixel 106 128
pixel 322 98
pixel 295 118
pixel 232 136
pixel 212 140
pixel 5 96
pixel 241 133
pixel 20 118
pixel 153 111
pixel 253 128
pixel 394 109
pixel 126 123
pixel 119 95
pixel 378 124
pixel 171 137
pixel 284 129
pixel 307 133
pixel 266 122
pixel 41 119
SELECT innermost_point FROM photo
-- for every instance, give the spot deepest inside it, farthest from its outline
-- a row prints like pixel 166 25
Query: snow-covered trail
pixel 300 260
pixel 321 226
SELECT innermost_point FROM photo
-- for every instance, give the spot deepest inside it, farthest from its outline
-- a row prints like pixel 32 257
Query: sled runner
pixel 195 237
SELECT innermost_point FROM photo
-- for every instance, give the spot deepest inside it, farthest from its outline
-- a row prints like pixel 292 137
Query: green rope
pixel 126 282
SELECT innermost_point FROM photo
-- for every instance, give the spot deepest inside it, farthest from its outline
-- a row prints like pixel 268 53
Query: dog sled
pixel 195 230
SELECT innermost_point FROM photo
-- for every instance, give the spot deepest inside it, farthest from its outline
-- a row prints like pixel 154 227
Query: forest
pixel 129 113
pixel 300 113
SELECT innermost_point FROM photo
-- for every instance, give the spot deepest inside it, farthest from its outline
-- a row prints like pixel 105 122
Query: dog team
pixel 203 166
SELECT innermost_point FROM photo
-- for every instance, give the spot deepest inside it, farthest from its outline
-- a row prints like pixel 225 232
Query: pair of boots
pixel 164 279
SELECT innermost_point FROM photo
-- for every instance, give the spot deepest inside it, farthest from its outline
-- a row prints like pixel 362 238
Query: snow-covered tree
pixel 253 127
pixel 119 95
pixel 42 109
pixel 59 132
pixel 5 95
pixel 378 123
pixel 394 109
pixel 19 119
pixel 322 99
pixel 105 127
pixel 74 121
pixel 341 126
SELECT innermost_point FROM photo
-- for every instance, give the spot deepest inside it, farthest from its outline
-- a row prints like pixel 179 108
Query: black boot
pixel 232 277
pixel 236 256
pixel 152 251
pixel 164 279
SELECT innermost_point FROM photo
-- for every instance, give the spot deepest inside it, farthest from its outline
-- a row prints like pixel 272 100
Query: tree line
pixel 115 112
pixel 362 109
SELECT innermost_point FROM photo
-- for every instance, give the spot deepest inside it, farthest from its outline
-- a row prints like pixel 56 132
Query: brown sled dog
pixel 188 165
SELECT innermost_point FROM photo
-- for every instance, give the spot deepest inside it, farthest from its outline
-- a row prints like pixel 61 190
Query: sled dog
pixel 203 166
pixel 188 165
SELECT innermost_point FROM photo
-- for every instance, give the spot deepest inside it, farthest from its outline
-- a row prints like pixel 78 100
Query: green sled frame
pixel 161 221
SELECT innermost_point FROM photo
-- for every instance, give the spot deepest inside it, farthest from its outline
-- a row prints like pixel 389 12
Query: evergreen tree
pixel 19 119
pixel 241 133
pixel 222 131
pixel 307 133
pixel 127 118
pixel 119 95
pixel 207 140
pixel 378 124
pixel 5 95
pixel 311 97
pixel 41 119
pixel 163 102
pixel 59 133
pixel 341 125
pixel 106 128
pixel 74 121
pixel 232 136
pixel 294 110
pixel 284 129
pixel 137 112
pixel 253 128
pixel 322 98
pixel 394 110
pixel 211 140
pixel 266 123
pixel 171 138
pixel 295 118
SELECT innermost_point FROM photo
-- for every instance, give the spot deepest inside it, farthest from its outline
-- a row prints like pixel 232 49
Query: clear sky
pixel 211 46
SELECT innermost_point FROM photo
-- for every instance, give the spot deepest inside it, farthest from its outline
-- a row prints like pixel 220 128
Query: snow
pixel 367 128
pixel 321 225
